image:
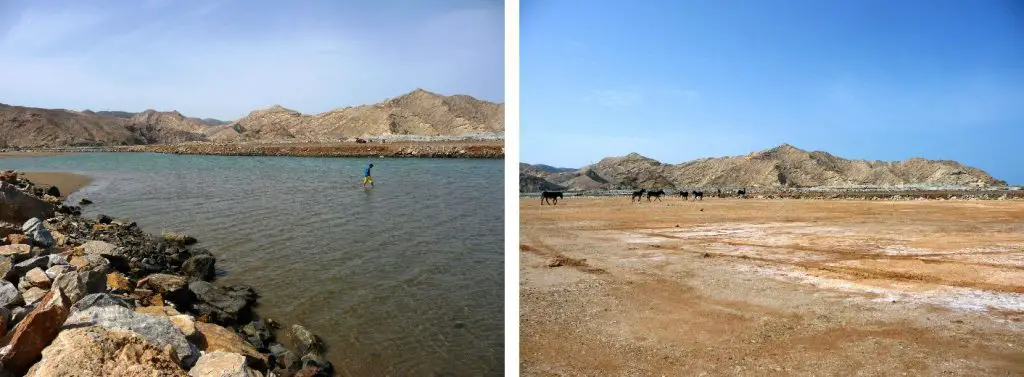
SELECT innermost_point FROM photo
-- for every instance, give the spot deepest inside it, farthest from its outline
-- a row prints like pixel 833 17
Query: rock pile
pixel 80 296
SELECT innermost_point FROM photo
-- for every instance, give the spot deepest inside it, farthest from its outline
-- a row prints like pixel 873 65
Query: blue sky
pixel 224 58
pixel 865 79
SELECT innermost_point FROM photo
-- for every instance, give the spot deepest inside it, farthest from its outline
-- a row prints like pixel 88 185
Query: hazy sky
pixel 866 79
pixel 224 58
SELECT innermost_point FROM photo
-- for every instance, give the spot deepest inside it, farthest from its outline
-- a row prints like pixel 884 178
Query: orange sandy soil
pixel 769 287
pixel 441 149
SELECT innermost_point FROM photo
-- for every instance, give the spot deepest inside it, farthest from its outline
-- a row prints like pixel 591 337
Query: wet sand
pixel 67 183
pixel 763 287
pixel 21 154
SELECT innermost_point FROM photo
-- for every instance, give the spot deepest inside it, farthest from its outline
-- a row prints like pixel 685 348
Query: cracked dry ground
pixel 759 287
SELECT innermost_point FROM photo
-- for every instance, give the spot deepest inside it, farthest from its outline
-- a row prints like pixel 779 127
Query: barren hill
pixel 417 113
pixel 782 166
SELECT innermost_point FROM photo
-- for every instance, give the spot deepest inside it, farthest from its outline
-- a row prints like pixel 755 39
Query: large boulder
pixel 22 347
pixel 23 267
pixel 102 299
pixel 17 252
pixel 78 284
pixel 40 236
pixel 103 249
pixel 91 262
pixel 18 207
pixel 222 364
pixel 200 267
pixel 227 305
pixel 305 341
pixel 157 330
pixel 97 351
pixel 36 277
pixel 216 338
pixel 33 295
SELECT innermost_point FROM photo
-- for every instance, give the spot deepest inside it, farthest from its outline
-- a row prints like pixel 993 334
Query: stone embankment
pixel 481 149
pixel 81 296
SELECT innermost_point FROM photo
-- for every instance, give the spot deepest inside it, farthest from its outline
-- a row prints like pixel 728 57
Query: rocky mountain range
pixel 419 113
pixel 780 167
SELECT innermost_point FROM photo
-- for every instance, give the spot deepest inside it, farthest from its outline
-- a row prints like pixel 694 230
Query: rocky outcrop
pixel 97 351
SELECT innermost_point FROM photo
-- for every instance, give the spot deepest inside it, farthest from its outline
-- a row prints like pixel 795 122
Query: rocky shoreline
pixel 444 149
pixel 83 296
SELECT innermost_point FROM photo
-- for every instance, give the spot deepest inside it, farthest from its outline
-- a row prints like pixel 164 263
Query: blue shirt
pixel 368 171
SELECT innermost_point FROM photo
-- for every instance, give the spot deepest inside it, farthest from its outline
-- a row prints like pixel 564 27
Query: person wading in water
pixel 367 180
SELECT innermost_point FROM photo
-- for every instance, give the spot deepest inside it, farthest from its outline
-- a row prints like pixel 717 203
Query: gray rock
pixel 10 297
pixel 96 300
pixel 93 262
pixel 223 305
pixel 101 248
pixel 56 260
pixel 6 263
pixel 200 266
pixel 78 284
pixel 157 330
pixel 19 313
pixel 22 268
pixel 33 295
pixel 56 270
pixel 39 235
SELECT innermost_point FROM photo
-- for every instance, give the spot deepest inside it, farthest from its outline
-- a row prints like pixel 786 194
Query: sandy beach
pixel 763 287
pixel 67 183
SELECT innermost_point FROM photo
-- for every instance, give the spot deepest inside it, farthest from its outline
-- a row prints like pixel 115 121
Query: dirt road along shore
pixel 770 287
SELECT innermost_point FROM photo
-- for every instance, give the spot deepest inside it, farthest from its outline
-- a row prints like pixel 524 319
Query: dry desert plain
pixel 771 287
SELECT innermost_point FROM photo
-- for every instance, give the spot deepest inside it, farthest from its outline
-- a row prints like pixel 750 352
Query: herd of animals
pixel 551 197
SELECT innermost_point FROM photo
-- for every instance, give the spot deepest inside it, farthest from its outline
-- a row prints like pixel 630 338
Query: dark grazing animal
pixel 719 193
pixel 553 195
pixel 698 195
pixel 656 194
pixel 637 195
pixel 742 193
pixel 685 195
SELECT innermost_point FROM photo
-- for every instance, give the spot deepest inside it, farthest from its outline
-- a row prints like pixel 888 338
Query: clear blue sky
pixel 224 58
pixel 865 79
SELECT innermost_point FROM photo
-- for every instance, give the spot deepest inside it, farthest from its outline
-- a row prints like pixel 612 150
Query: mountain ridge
pixel 782 166
pixel 418 113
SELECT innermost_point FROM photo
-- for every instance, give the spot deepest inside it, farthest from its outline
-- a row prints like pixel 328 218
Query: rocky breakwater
pixel 81 296
pixel 490 150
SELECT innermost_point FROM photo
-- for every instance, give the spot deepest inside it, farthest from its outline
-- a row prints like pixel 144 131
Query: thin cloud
pixel 616 99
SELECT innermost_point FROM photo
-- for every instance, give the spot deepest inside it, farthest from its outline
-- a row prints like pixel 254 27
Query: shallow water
pixel 404 279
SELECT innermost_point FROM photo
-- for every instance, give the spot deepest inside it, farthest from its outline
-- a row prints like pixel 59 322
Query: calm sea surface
pixel 405 279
